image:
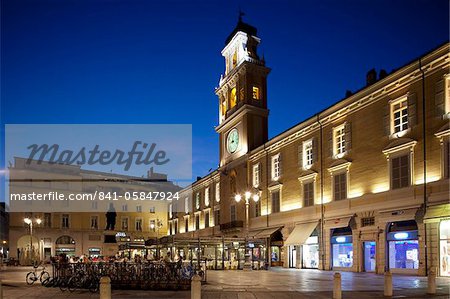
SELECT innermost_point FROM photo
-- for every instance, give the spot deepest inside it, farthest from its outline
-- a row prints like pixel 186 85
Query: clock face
pixel 232 140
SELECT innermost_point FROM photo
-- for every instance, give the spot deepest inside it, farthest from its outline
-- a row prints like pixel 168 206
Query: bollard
pixel 196 287
pixel 431 281
pixel 337 288
pixel 388 284
pixel 105 287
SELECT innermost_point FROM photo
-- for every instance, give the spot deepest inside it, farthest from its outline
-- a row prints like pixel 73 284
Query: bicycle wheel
pixel 31 278
pixel 47 282
pixel 63 284
pixel 73 283
pixel 44 276
pixel 94 285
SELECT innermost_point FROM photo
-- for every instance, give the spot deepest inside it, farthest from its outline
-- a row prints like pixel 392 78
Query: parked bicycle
pixel 33 276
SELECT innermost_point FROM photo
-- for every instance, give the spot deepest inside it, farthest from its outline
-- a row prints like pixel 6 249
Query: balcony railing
pixel 232 225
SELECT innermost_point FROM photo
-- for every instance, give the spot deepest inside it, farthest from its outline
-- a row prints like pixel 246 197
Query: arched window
pixel 233 99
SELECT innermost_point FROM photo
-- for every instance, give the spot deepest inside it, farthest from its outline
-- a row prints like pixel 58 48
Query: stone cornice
pixel 403 77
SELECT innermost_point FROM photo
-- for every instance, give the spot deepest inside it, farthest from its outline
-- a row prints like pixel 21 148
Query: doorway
pixel 292 256
pixel 369 256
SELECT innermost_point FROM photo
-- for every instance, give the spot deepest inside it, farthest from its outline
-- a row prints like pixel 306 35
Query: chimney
pixel 371 77
pixel 199 178
pixel 348 93
pixel 383 74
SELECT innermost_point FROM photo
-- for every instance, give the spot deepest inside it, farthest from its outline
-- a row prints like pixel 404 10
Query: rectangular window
pixel 217 217
pixel 404 254
pixel 256 175
pixel 206 219
pixel 217 191
pixel 446 159
pixel 186 224
pixel 256 95
pixel 308 194
pixel 124 208
pixel 175 228
pixel 399 115
pixel 124 223
pixel 94 205
pixel 65 221
pixel 170 228
pixel 197 200
pixel 367 221
pixel 207 196
pixel 233 213
pixel 94 222
pixel 197 221
pixel 339 140
pixel 139 209
pixel 276 167
pixel 340 186
pixel 275 196
pixel 47 220
pixel 138 224
pixel 447 93
pixel 152 209
pixel 342 255
pixel 258 208
pixel 400 172
pixel 152 225
pixel 307 154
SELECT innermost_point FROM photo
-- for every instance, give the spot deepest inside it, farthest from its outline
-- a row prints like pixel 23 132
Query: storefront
pixel 310 253
pixel 216 253
pixel 403 247
pixel 94 252
pixel 304 237
pixel 342 248
pixel 65 245
pixel 444 247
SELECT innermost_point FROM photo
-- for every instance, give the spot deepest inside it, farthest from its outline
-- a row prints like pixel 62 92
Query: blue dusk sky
pixel 158 62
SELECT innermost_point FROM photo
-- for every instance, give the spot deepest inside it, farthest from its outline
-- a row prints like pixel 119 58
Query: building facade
pixel 360 186
pixel 50 232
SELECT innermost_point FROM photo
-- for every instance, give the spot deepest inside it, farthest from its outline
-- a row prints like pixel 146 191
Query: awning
pixel 338 222
pixel 436 213
pixel 263 233
pixel 301 233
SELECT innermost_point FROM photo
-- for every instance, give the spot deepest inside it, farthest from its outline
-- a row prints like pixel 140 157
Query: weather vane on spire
pixel 241 14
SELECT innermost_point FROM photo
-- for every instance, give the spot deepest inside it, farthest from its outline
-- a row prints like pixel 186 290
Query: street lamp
pixel 156 224
pixel 247 196
pixel 29 221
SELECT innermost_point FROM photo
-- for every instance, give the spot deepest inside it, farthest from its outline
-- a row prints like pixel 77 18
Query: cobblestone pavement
pixel 276 283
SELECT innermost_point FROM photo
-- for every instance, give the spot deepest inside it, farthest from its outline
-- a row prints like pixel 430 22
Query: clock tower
pixel 242 94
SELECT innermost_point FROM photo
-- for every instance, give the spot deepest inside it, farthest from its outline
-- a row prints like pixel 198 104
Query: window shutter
pixel 300 155
pixel 348 136
pixel 412 117
pixel 260 173
pixel 330 143
pixel 314 149
pixel 387 119
pixel 269 169
pixel 439 98
pixel 280 165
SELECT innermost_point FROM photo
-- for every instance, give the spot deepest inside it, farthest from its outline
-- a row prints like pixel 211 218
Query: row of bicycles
pixel 149 275
pixel 73 280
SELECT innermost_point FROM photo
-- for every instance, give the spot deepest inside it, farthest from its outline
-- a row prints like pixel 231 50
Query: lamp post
pixel 156 225
pixel 29 221
pixel 247 196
